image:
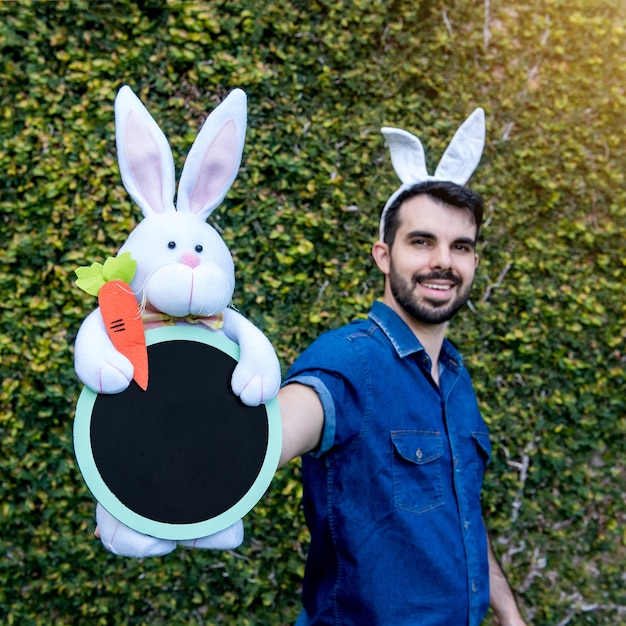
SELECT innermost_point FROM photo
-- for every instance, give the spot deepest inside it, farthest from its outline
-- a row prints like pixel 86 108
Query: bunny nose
pixel 192 260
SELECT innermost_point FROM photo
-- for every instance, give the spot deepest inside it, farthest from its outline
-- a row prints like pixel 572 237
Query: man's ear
pixel 381 254
pixel 476 260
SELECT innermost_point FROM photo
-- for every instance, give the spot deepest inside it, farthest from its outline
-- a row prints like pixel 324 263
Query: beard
pixel 427 311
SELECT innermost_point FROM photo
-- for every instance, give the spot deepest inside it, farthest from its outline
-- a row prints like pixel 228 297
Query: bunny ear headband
pixel 457 163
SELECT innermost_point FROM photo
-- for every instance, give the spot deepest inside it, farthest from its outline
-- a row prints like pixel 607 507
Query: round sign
pixel 185 458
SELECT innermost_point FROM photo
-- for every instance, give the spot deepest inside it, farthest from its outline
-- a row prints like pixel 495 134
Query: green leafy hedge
pixel 544 337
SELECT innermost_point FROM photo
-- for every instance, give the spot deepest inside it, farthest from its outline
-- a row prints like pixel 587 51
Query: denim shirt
pixel 392 494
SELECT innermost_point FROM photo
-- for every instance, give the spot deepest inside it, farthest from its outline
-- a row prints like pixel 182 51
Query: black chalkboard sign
pixel 185 458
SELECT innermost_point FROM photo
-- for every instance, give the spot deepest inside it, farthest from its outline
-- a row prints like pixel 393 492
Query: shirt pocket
pixel 417 481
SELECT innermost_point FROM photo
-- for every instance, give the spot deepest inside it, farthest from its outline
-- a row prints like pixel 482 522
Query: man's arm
pixel 501 598
pixel 302 418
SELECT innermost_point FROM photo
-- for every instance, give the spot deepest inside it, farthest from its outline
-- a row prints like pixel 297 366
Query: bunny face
pixel 183 265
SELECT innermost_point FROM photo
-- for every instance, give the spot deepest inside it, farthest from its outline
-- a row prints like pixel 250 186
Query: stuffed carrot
pixel 119 309
pixel 122 320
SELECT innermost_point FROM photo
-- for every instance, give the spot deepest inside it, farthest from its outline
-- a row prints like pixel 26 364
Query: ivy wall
pixel 544 336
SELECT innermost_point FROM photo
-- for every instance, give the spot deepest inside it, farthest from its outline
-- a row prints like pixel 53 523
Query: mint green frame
pixel 162 530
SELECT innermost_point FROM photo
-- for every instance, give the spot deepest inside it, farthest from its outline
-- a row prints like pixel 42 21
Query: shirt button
pixel 474 587
pixel 419 454
pixel 456 461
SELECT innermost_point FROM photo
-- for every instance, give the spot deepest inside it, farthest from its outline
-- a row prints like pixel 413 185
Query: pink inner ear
pixel 144 157
pixel 217 168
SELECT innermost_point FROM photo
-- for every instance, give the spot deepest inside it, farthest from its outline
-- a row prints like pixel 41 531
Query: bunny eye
pixel 171 245
pixel 199 248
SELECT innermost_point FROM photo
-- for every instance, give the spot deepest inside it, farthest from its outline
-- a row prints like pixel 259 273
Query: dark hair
pixel 443 192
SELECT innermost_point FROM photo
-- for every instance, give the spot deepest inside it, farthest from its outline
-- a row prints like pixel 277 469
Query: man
pixel 393 444
pixel 385 418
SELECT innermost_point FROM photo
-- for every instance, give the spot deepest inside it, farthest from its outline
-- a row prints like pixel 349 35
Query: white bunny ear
pixel 464 150
pixel 213 161
pixel 144 155
pixel 457 163
pixel 407 155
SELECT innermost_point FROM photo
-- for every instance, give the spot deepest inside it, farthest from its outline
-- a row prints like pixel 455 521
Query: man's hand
pixel 514 621
pixel 518 621
pixel 501 598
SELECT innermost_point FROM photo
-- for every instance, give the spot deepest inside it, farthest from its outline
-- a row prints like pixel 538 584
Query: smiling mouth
pixel 438 281
pixel 436 286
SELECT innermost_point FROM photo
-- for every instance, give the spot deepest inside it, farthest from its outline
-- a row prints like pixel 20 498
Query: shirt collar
pixel 404 341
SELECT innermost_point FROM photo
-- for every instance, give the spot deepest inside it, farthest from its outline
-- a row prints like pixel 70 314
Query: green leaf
pixel 122 267
pixel 91 279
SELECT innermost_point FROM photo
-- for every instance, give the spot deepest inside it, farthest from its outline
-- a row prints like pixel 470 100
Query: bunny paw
pixel 124 541
pixel 254 389
pixel 227 539
pixel 98 364
pixel 111 376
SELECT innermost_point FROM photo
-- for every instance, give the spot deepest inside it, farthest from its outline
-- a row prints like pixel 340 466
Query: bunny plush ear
pixel 457 163
pixel 144 155
pixel 213 161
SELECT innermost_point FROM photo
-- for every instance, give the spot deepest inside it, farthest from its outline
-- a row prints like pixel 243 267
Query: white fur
pixel 183 268
pixel 98 364
pixel 169 284
pixel 122 540
pixel 457 164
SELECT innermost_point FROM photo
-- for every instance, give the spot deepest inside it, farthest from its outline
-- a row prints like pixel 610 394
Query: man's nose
pixel 441 258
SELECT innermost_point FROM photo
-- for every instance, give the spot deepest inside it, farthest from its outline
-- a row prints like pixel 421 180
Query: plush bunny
pixel 184 271
pixel 457 164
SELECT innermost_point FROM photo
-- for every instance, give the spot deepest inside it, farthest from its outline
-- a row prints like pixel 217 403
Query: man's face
pixel 431 264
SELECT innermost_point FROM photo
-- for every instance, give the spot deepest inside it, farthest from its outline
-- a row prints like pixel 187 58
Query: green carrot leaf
pixel 122 267
pixel 91 279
